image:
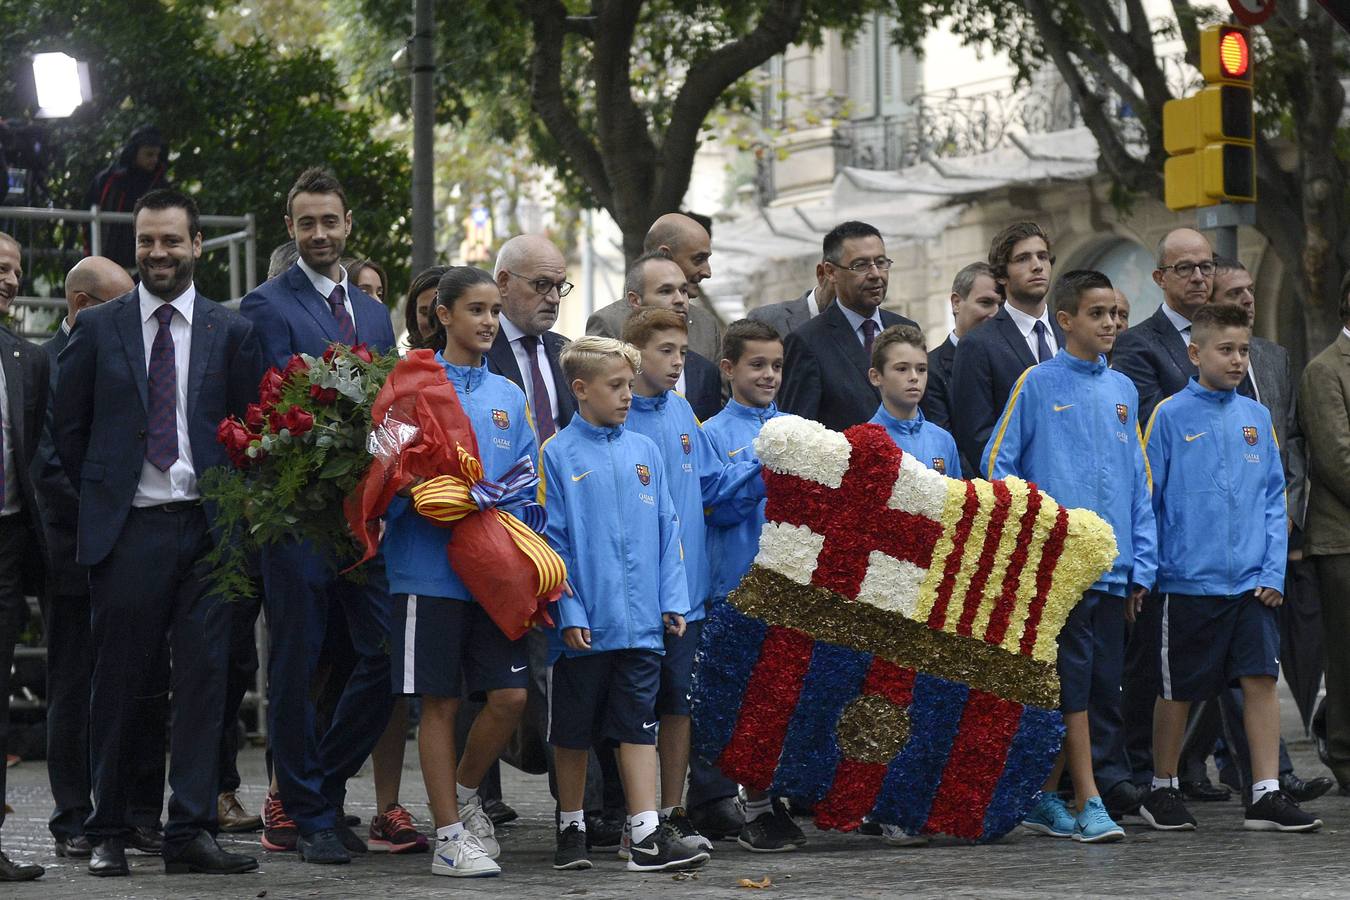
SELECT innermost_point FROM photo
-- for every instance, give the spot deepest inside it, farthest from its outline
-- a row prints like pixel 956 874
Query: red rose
pixel 362 352
pixel 322 395
pixel 294 366
pixel 235 438
pixel 331 352
pixel 255 418
pixel 297 421
pixel 269 389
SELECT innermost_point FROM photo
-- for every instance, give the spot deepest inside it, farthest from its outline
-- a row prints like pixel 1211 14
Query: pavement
pixel 1220 859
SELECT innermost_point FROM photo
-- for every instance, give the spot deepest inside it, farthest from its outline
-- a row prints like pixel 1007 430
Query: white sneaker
pixel 464 858
pixel 477 823
pixel 897 837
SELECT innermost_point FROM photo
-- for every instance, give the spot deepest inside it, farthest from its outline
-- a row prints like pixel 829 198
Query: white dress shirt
pixel 855 322
pixel 324 285
pixel 11 504
pixel 1179 322
pixel 179 482
pixel 1027 323
pixel 513 336
pixel 812 305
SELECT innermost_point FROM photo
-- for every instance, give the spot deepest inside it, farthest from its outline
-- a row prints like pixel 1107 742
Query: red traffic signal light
pixel 1225 55
pixel 1233 55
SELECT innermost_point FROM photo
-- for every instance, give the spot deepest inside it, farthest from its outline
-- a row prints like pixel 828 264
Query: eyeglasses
pixel 543 285
pixel 858 267
pixel 1187 269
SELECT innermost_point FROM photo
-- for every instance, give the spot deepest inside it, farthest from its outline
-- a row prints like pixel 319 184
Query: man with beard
pixel 144 382
pixel 305 309
pixel 827 359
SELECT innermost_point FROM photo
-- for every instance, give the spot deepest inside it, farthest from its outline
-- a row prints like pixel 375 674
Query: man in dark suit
pixel 304 310
pixel 65 614
pixel 827 359
pixel 787 316
pixel 144 382
pixel 1023 333
pixel 23 407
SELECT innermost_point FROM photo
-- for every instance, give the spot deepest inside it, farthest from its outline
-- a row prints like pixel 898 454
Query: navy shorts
pixel 603 696
pixel 1208 642
pixel 677 671
pixel 1091 650
pixel 439 645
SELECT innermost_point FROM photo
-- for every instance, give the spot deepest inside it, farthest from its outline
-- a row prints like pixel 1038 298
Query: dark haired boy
pixel 900 371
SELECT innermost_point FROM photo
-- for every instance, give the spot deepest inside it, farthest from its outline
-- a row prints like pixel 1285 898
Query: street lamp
pixel 61 83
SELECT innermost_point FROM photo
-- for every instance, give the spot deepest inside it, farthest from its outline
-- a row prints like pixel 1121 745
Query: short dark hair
pixel 316 180
pixel 1227 264
pixel 833 244
pixel 452 284
pixel 168 198
pixel 427 279
pixel 964 282
pixel 896 334
pixel 741 332
pixel 634 278
pixel 1072 285
pixel 1000 249
pixel 1213 316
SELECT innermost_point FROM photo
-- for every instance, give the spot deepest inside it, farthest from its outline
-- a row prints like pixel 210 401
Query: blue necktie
pixel 1042 345
pixel 161 445
pixel 346 330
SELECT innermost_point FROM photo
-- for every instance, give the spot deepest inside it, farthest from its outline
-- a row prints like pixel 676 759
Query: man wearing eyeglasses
pixel 827 359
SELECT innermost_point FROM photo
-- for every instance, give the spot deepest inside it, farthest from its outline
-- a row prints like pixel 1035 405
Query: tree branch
pixel 1135 49
pixel 621 125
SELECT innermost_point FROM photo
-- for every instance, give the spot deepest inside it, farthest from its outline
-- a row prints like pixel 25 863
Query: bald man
pixel 687 242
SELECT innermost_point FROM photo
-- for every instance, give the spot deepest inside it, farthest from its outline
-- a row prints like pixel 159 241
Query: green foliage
pixel 241 119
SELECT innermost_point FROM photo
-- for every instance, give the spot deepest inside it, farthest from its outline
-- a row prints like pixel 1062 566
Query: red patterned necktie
pixel 346 330
pixel 543 410
pixel 869 329
pixel 161 445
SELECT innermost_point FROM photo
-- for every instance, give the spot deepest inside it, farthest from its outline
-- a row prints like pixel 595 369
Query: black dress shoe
pixel 499 812
pixel 1123 800
pixel 351 841
pixel 13 871
pixel 77 847
pixel 108 859
pixel 349 821
pixel 1303 791
pixel 202 854
pixel 323 847
pixel 717 819
pixel 146 840
pixel 1205 791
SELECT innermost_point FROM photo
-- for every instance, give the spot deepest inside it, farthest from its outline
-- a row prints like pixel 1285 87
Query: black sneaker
pixel 689 836
pixel 1164 809
pixel 571 852
pixel 1276 811
pixel 771 832
pixel 604 831
pixel 662 851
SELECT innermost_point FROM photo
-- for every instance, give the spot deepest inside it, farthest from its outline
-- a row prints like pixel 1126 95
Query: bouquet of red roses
pixel 297 454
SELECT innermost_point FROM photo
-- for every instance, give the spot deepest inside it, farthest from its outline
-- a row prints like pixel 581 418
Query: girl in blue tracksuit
pixel 900 372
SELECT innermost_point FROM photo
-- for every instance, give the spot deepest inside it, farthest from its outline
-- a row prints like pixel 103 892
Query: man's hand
pixel 577 638
pixel 1134 603
pixel 674 623
pixel 1269 597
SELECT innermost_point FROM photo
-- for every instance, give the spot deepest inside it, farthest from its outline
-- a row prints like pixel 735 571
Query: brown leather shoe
pixel 231 814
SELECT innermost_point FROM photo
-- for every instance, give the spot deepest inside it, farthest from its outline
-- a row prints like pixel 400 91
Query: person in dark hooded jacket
pixel 139 168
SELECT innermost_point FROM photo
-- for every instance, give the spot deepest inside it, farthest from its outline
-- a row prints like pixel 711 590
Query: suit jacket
pixel 1323 401
pixel 936 403
pixel 987 364
pixel 1271 371
pixel 705 334
pixel 502 360
pixel 27 386
pixel 825 371
pixel 291 317
pixel 59 503
pixel 1153 355
pixel 101 407
pixel 786 316
pixel 702 386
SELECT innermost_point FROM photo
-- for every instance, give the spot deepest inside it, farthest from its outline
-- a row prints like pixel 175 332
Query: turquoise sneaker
pixel 1050 817
pixel 1094 824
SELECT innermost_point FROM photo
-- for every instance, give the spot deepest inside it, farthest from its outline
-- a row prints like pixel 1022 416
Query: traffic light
pixel 1210 136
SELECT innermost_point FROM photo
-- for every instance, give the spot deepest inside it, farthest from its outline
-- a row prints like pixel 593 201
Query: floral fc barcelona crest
pixel 501 419
pixel 1249 434
pixel 644 474
pixel 686 444
pixel 939 465
pixel 1122 412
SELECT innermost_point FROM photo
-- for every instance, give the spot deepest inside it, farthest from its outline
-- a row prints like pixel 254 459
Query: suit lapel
pixel 204 333
pixel 553 344
pixel 1013 335
pixel 315 305
pixel 133 344
pixel 847 340
pixel 1174 342
pixel 13 362
pixel 503 359
pixel 798 312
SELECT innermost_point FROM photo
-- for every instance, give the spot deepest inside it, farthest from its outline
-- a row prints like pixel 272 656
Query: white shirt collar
pixel 1179 322
pixel 183 303
pixel 953 338
pixel 1346 332
pixel 1026 322
pixel 323 284
pixel 855 321
pixel 509 329
pixel 812 304
pixel 65 325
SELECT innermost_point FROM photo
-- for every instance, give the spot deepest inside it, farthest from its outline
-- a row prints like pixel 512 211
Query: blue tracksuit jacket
pixel 733 528
pixel 1218 494
pixel 1070 427
pixel 414 547
pixel 699 479
pixel 930 444
pixel 611 519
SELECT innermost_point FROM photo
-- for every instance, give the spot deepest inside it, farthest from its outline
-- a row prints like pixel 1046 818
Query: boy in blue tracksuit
pixel 441 638
pixel 699 480
pixel 611 519
pixel 1070 427
pixel 1218 494
pixel 900 372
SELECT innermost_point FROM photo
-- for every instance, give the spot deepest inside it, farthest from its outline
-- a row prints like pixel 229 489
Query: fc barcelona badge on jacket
pixel 644 474
pixel 685 443
pixel 939 465
pixel 1249 432
pixel 1122 412
pixel 501 419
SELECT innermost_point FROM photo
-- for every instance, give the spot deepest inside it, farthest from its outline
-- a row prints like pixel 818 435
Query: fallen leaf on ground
pixel 757 885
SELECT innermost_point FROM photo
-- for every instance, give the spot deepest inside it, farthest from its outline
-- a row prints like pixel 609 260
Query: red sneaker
pixel 393 832
pixel 279 830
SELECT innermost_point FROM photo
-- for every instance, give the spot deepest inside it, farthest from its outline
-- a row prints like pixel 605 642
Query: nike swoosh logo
pixel 582 475
pixel 448 860
pixel 643 850
pixel 737 450
pixel 1191 437
pixel 1059 408
pixel 519 668
pixel 648 724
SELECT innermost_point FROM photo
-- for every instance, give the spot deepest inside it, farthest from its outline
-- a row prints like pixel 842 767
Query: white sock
pixel 450 832
pixel 1261 788
pixel 1165 782
pixel 464 794
pixel 577 818
pixel 756 808
pixel 642 825
pixel 666 811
